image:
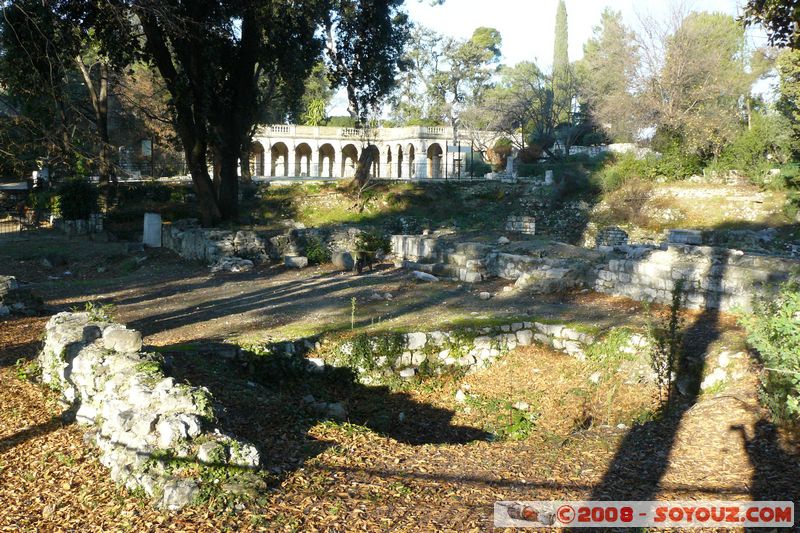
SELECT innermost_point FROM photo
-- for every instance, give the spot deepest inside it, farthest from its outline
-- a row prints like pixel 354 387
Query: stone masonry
pixel 521 224
pixel 611 236
pixel 17 300
pixel 714 278
pixel 153 434
pixel 190 241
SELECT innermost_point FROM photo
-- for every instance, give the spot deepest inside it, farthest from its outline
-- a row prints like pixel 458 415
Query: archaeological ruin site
pixel 338 266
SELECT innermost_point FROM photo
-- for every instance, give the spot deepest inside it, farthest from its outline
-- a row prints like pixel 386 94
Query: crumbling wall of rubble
pixel 154 434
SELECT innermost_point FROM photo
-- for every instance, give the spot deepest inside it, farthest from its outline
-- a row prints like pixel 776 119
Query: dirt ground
pixel 413 459
pixel 172 301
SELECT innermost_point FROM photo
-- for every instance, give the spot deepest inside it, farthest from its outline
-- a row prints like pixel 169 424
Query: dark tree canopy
pixel 365 44
pixel 233 64
pixel 781 19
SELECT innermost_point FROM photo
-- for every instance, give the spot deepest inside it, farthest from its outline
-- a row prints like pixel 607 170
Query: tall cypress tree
pixel 561 72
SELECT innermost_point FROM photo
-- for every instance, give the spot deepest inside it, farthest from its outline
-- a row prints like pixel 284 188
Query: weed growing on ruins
pixel 364 352
pixel 665 340
pixel 97 312
pixel 611 348
pixel 27 370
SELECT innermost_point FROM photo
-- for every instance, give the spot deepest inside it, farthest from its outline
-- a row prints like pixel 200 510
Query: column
pixel 294 162
pixel 420 162
pixel 316 163
pixel 337 161
pixel 268 169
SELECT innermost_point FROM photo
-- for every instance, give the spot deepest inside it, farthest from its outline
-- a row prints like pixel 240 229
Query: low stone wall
pixel 194 243
pixel 190 241
pixel 80 227
pixel 406 355
pixel 611 236
pixel 153 433
pixel 563 338
pixel 15 300
pixel 473 262
pixel 521 224
pixel 713 278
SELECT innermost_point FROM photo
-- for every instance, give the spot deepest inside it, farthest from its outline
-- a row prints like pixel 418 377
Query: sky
pixel 528 26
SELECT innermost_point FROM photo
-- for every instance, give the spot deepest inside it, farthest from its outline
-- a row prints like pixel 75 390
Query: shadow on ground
pixel 274 410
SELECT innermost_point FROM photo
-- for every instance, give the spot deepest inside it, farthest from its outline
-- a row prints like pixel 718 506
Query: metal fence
pixel 15 224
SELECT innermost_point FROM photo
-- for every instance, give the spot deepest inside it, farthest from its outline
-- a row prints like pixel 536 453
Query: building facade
pixel 417 152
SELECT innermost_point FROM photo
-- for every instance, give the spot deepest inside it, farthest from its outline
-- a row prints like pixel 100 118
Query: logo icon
pixel 565 514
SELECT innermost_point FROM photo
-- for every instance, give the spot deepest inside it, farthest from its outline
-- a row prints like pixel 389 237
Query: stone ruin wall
pixel 143 422
pixel 715 278
pixel 712 278
pixel 209 246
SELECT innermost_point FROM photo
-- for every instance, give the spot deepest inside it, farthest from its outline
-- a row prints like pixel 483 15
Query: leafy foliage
pixel 607 70
pixel 774 330
pixel 316 251
pixel 779 17
pixel 665 339
pixel 372 242
pixel 77 199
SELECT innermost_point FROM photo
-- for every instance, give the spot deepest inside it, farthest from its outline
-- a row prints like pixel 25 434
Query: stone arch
pixel 435 156
pixel 411 156
pixel 399 161
pixel 257 159
pixel 375 168
pixel 280 160
pixel 327 160
pixel 387 168
pixel 349 161
pixel 302 160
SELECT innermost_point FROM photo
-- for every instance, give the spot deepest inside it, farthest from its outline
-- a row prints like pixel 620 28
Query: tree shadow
pixel 643 457
pixel 271 405
pixel 54 424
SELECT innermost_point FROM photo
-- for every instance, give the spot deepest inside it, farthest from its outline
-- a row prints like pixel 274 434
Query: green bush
pixel 672 165
pixel 372 242
pixel 774 330
pixel 40 201
pixel 477 167
pixel 527 170
pixel 765 144
pixel 316 251
pixel 77 199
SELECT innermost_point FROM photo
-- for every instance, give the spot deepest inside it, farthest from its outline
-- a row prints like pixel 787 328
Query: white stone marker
pixel 152 230
pixel 548 177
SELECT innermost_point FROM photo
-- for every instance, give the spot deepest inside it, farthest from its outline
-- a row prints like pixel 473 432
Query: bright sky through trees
pixel 528 26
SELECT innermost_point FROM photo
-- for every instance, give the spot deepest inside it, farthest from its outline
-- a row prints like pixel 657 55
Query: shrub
pixel 619 169
pixel 373 242
pixel 316 251
pixel 527 170
pixel 628 204
pixel 40 201
pixel 773 329
pixel 477 167
pixel 672 165
pixel 764 145
pixel 77 199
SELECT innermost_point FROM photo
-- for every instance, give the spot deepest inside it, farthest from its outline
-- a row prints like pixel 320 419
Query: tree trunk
pixel 98 95
pixel 244 157
pixel 210 213
pixel 361 177
pixel 228 193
